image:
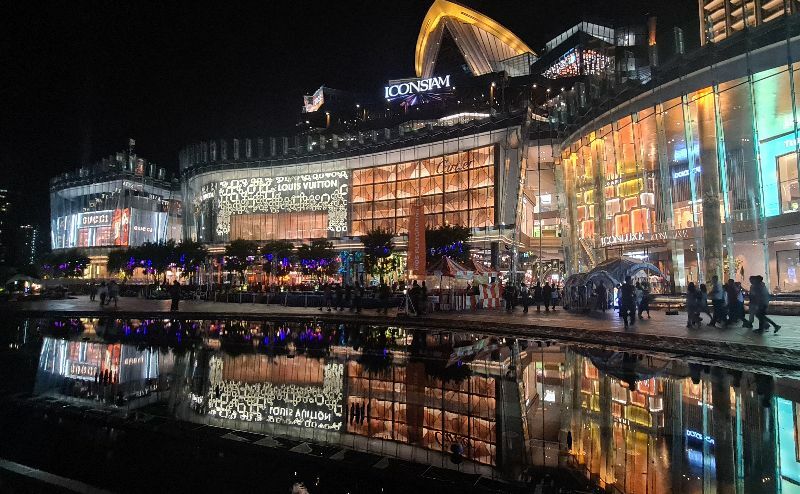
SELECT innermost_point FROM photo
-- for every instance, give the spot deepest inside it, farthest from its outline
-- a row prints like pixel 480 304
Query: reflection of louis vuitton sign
pixel 641 237
pixel 146 229
pixel 459 166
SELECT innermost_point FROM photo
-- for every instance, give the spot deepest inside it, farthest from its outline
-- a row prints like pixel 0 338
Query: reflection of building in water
pixel 297 391
pixel 117 372
pixel 658 425
pixel 405 403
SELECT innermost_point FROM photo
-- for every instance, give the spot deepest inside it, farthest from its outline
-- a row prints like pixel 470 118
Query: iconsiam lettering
pixel 416 86
pixel 633 238
pixel 328 191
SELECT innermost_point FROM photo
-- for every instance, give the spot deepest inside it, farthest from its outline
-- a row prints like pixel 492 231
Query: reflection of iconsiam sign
pixel 326 191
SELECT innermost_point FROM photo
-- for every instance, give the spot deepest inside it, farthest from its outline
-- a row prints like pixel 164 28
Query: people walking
pixel 692 306
pixel 113 293
pixel 508 296
pixel 524 296
pixel 414 296
pixel 602 297
pixel 735 299
pixel 537 296
pixel 327 296
pixel 644 305
pixel 348 296
pixel 627 299
pixel 92 291
pixel 383 297
pixel 175 295
pixel 547 293
pixel 703 306
pixel 759 304
pixel 423 295
pixel 103 292
pixel 554 296
pixel 717 295
pixel 358 294
pixel 339 297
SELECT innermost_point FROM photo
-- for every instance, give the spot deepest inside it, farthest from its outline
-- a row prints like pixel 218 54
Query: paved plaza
pixel 663 332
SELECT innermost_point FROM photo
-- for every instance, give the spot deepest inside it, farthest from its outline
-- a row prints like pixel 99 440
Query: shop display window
pixel 788 270
pixel 622 224
pixel 787 180
pixel 629 203
pixel 613 207
pixel 581 213
pixel 640 220
pixel 647 199
pixel 587 228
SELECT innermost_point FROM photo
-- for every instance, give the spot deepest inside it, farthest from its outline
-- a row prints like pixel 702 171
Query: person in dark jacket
pixel 358 294
pixel 383 295
pixel 175 295
pixel 602 297
pixel 348 295
pixel 627 302
pixel 537 296
pixel 547 293
pixel 339 297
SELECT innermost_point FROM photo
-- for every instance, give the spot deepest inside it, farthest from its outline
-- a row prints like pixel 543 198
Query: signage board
pixel 95 218
pixel 415 86
pixel 417 256
pixel 644 237
pixel 324 191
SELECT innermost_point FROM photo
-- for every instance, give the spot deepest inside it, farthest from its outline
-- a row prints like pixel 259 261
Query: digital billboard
pixel 114 227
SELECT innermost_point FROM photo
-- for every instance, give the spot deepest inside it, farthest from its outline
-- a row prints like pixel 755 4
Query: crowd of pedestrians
pixel 727 304
pixel 547 295
pixel 106 292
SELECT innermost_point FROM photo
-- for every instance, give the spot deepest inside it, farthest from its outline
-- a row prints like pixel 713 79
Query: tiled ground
pixel 662 332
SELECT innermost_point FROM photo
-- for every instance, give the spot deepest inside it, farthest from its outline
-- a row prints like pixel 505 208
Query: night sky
pixel 79 78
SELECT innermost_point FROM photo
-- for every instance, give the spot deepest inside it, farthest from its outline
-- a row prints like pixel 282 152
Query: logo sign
pixel 459 166
pixel 635 238
pixel 415 86
pixel 81 370
pixel 96 218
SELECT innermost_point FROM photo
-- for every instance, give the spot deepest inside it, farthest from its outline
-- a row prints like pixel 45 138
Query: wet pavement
pixel 256 406
pixel 662 332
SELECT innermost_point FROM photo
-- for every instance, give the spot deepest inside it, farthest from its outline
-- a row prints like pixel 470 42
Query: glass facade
pixel 699 179
pixel 117 213
pixel 349 199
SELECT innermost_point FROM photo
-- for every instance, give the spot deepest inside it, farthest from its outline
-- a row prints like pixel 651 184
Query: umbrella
pixel 480 269
pixel 22 277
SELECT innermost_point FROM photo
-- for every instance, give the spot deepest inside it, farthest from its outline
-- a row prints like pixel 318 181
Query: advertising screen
pixel 114 227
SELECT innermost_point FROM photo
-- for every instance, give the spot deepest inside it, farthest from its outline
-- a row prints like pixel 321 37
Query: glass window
pixel 788 270
pixel 787 182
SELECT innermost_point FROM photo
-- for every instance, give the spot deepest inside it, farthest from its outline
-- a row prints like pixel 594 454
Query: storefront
pixel 696 176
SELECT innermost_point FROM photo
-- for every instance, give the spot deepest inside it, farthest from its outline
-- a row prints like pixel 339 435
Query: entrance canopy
pixel 612 272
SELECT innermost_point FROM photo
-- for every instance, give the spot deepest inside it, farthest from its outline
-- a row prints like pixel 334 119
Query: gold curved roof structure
pixel 482 41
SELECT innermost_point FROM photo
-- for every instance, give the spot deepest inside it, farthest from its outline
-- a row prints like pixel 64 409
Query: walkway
pixel 661 333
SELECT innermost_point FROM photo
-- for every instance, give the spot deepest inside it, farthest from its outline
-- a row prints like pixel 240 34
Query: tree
pixel 155 258
pixel 318 258
pixel 121 261
pixel 239 255
pixel 190 255
pixel 378 249
pixel 66 264
pixel 448 240
pixel 278 256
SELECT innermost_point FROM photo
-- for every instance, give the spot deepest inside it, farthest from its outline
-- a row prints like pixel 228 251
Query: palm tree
pixel 278 256
pixel 317 258
pixel 378 249
pixel 239 255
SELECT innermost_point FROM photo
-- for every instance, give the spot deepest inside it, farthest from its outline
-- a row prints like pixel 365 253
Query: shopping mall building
pixel 607 141
pixel 120 201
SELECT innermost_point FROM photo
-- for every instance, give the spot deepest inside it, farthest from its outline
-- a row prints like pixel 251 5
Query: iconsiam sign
pixel 416 86
pixel 328 191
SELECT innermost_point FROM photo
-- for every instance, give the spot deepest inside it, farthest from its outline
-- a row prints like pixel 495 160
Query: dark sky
pixel 79 78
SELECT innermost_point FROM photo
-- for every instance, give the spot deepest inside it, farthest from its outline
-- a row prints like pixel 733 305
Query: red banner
pixel 417 255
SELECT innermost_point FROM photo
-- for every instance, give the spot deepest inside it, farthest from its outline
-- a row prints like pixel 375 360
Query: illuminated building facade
pixel 118 202
pixel 341 187
pixel 698 174
pixel 719 19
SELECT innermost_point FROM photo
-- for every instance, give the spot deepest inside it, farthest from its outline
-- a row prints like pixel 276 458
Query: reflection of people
pixel 627 302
